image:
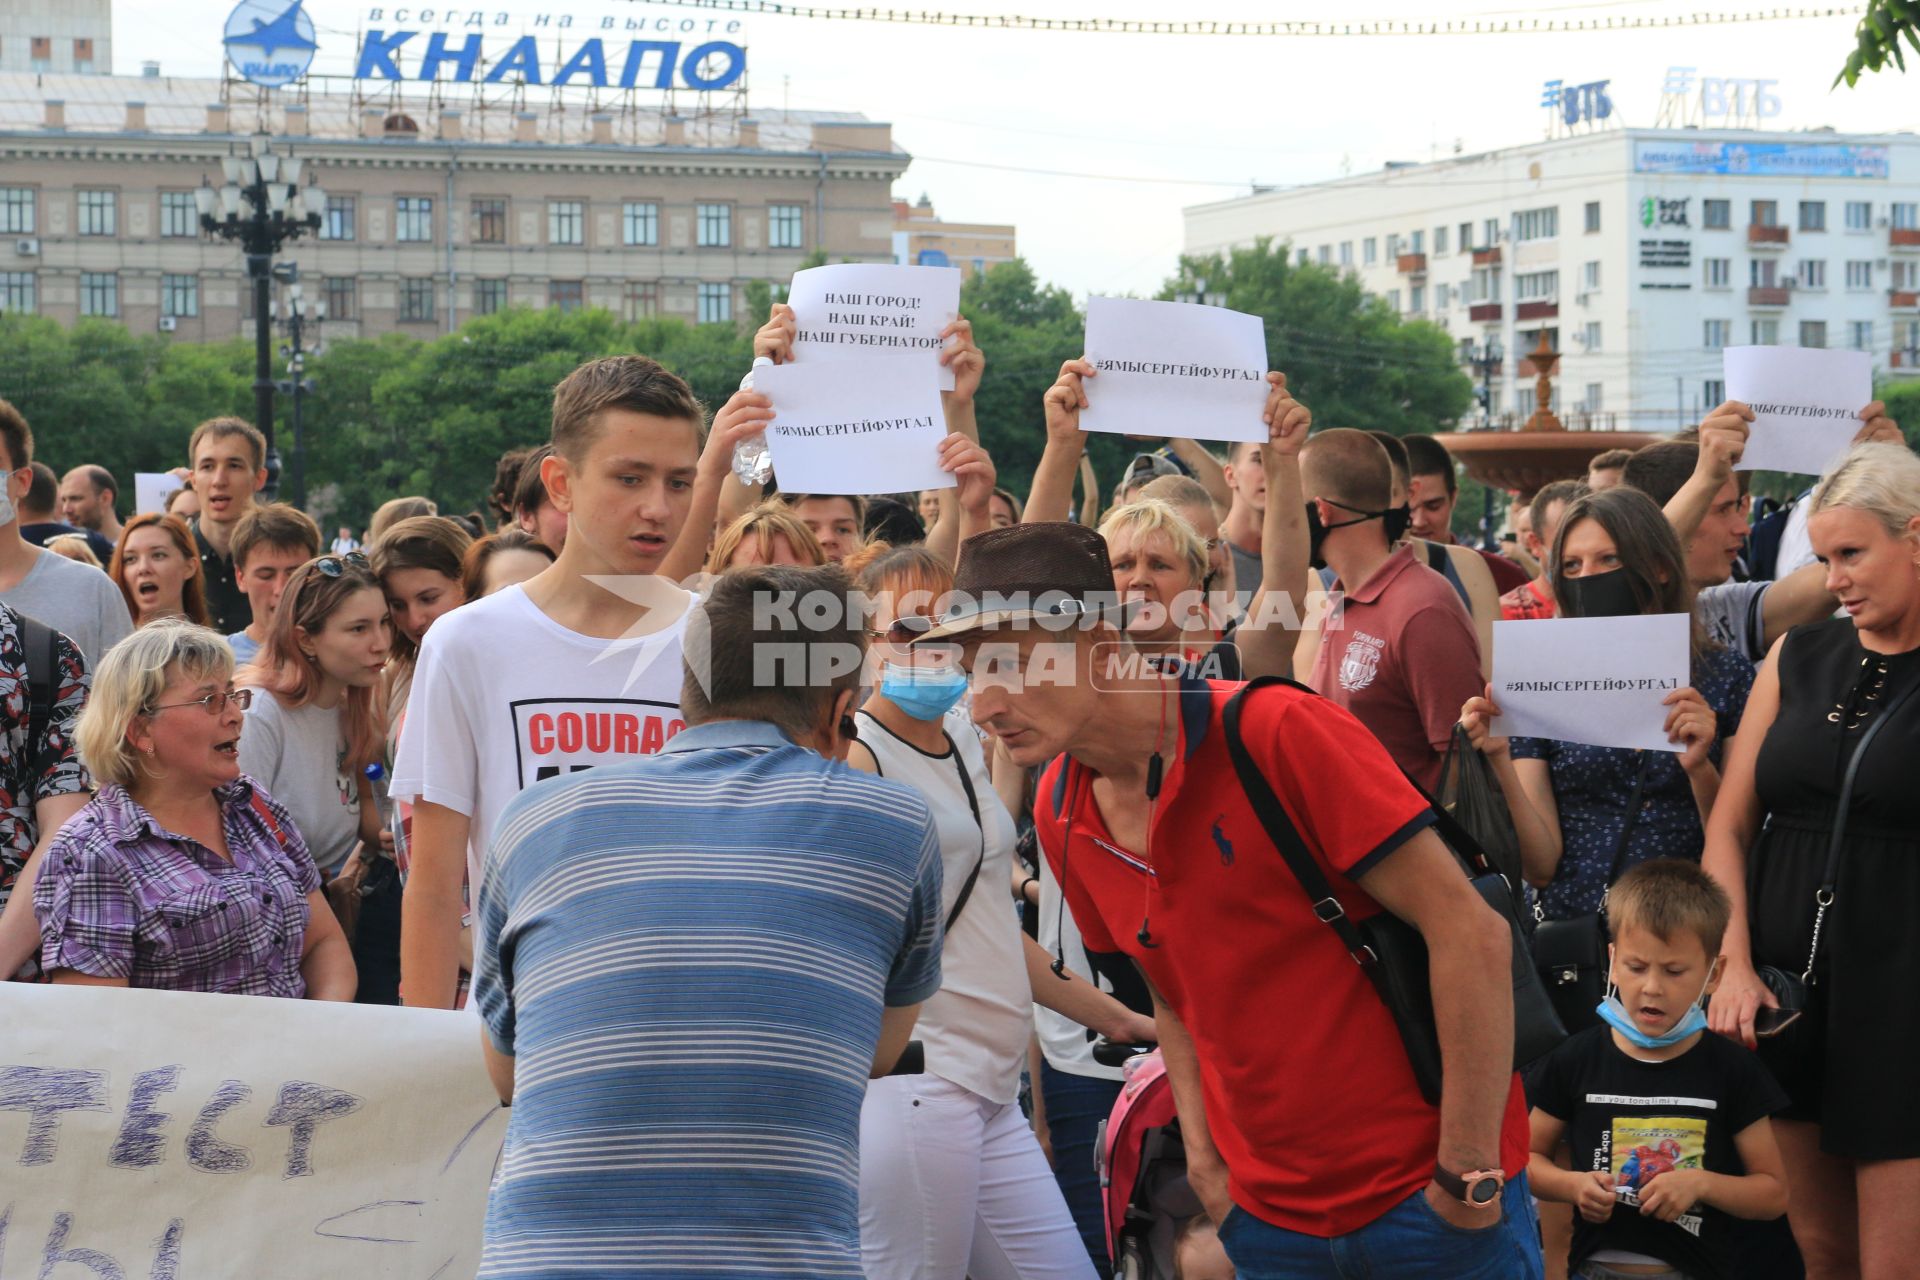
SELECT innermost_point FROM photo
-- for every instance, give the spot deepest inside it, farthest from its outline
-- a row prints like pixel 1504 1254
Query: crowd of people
pixel 820 966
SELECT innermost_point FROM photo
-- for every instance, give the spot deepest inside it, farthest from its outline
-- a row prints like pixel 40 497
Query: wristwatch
pixel 1479 1189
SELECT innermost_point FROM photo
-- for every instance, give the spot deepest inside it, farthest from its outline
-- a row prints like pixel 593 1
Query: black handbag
pixel 1388 950
pixel 1481 808
pixel 1571 954
pixel 1788 988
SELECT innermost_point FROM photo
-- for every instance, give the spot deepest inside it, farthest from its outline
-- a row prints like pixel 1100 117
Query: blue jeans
pixel 1410 1240
pixel 1075 1107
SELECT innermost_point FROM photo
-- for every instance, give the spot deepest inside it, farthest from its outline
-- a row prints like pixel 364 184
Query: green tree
pixel 1877 38
pixel 1345 353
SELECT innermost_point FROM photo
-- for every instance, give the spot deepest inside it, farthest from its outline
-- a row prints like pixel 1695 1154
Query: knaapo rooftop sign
pixel 635 52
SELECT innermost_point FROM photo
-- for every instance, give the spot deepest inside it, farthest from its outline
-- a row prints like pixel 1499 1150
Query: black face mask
pixel 1395 520
pixel 1598 595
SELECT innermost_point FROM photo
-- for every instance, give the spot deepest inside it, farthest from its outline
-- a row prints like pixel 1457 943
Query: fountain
pixel 1542 450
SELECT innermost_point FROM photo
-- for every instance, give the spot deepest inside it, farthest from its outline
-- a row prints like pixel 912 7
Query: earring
pixel 148 748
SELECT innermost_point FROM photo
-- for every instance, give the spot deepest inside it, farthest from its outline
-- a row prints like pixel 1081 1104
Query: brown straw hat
pixel 1054 574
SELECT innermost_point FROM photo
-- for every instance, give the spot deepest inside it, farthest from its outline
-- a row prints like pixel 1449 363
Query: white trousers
pixel 954 1187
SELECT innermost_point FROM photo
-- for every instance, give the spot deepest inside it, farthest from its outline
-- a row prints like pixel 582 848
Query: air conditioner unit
pixel 1883 223
pixel 1789 282
pixel 27 248
pixel 1581 298
pixel 168 324
pixel 1880 264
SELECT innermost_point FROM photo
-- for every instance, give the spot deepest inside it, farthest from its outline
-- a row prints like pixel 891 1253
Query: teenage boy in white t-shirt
pixel 578 666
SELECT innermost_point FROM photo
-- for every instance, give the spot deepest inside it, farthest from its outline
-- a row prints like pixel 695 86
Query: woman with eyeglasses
pixel 316 724
pixel 182 873
pixel 157 568
pixel 953 1183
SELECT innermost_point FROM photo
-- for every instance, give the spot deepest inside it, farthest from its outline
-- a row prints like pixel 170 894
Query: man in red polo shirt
pixel 1401 653
pixel 1307 1137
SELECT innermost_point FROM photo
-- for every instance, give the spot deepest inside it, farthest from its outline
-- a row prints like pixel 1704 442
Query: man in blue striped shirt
pixel 690 963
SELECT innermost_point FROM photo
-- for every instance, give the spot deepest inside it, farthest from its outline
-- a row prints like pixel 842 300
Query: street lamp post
pixel 1486 362
pixel 261 206
pixel 300 313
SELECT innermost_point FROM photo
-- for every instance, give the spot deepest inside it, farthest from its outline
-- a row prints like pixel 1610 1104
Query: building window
pixel 1813 274
pixel 1861 335
pixel 1536 286
pixel 1766 333
pixel 338 292
pixel 339 221
pixel 640 223
pixel 1484 285
pixel 1466 237
pixel 1593 217
pixel 1764 213
pixel 1417 299
pixel 1346 253
pixel 1906 216
pixel 566 222
pixel 416 301
pixel 1719 333
pixel 1419 244
pixel 1369 251
pixel 1719 272
pixel 490 221
pixel 565 295
pixel 1716 215
pixel 1763 273
pixel 640 300
pixel 1713 391
pixel 1906 337
pixel 1325 255
pixel 82 54
pixel 1299 257
pixel 16 211
pixel 1442 296
pixel 1592 401
pixel 1906 276
pixel 1860 275
pixel 715 225
pixel 1813 215
pixel 1590 276
pixel 99 293
pixel 179 295
pixel 413 221
pixel 1813 333
pixel 97 213
pixel 1536 224
pixel 489 296
pixel 40 54
pixel 1859 215
pixel 1591 336
pixel 785 228
pixel 1393 300
pixel 17 292
pixel 1393 247
pixel 179 216
pixel 716 303
pixel 1439 241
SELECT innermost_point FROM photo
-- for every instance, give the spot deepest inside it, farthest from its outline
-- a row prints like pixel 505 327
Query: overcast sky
pixel 1182 119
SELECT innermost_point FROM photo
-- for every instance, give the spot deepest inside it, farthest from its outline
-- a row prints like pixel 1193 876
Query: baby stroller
pixel 1143 1174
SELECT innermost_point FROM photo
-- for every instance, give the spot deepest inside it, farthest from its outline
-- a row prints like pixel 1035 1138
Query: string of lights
pixel 1307 28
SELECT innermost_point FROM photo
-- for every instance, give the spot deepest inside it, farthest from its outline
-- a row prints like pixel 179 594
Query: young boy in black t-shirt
pixel 1667 1122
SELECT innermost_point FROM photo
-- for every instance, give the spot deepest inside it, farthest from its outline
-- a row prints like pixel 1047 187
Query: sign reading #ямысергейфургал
pixel 1598 681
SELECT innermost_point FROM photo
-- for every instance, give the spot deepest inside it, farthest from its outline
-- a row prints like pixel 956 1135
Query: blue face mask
pixel 1614 1014
pixel 925 693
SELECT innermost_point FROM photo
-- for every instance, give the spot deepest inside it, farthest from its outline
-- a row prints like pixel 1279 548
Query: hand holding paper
pixel 774 339
pixel 1601 681
pixel 1806 404
pixel 964 363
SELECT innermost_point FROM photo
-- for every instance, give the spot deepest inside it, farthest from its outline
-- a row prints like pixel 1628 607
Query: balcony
pixel 1412 264
pixel 1489 257
pixel 1484 313
pixel 1903 238
pixel 1545 309
pixel 1763 237
pixel 1773 296
pixel 1903 300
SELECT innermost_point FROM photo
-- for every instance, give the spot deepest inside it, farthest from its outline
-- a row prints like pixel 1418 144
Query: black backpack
pixel 39 644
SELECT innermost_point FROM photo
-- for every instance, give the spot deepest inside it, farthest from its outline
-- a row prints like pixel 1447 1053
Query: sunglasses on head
pixel 334 566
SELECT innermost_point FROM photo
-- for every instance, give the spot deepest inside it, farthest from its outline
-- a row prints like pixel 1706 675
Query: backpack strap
pixel 40 645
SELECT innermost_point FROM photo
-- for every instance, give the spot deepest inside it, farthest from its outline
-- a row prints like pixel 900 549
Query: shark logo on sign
pixel 270 42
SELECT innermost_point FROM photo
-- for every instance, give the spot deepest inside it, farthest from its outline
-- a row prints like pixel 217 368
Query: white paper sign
pixel 1806 404
pixel 877 431
pixel 1598 681
pixel 1175 369
pixel 855 311
pixel 172 1134
pixel 150 490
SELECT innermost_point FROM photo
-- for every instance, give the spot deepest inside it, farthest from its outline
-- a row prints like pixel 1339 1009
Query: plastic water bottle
pixel 390 817
pixel 752 461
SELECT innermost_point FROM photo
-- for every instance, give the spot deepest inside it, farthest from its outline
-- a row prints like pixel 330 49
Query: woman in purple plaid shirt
pixel 180 873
